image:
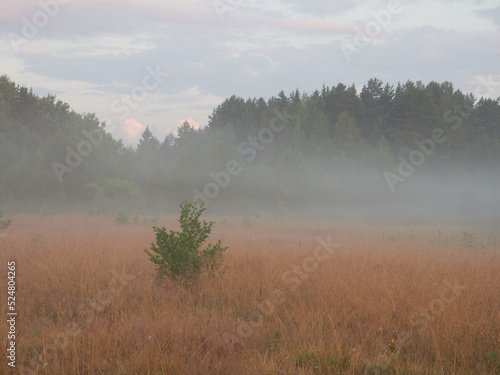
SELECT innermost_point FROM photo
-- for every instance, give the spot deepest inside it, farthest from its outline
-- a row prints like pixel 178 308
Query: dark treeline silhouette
pixel 333 149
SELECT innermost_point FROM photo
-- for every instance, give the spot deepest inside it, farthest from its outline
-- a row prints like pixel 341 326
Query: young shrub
pixel 121 218
pixel 4 224
pixel 179 255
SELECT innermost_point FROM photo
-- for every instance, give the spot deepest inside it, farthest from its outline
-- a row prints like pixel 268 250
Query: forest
pixel 398 148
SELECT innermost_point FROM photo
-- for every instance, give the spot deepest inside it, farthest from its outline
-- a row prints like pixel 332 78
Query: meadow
pixel 296 297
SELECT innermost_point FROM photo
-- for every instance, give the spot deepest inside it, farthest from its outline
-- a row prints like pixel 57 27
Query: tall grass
pixel 89 301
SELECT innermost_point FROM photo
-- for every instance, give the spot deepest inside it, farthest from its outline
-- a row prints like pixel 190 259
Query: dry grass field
pixel 388 299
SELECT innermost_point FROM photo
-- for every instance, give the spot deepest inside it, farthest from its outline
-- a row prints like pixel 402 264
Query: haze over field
pixel 347 154
pixel 389 107
pixel 411 152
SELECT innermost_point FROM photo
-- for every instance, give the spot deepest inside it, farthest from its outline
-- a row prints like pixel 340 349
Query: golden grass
pixel 89 301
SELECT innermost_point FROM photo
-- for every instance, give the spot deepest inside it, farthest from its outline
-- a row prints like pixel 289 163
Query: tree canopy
pixel 50 153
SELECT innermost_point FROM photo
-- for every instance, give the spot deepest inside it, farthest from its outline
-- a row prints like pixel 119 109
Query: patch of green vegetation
pixel 247 221
pixel 494 359
pixel 471 242
pixel 122 217
pixel 320 361
pixel 4 224
pixel 179 255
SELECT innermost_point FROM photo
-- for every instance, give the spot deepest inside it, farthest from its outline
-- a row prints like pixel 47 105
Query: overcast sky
pixel 158 63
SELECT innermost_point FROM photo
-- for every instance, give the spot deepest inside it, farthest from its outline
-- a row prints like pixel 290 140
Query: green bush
pixel 247 221
pixel 121 218
pixel 179 255
pixel 4 224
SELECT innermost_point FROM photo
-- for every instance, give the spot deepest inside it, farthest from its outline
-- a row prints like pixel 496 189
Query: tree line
pixel 332 142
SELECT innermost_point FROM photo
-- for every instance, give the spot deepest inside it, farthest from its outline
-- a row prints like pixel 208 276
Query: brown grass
pixel 378 304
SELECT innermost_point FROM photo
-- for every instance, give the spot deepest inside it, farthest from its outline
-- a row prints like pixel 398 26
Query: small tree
pixel 180 254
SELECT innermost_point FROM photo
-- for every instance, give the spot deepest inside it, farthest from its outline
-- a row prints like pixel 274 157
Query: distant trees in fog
pixel 329 130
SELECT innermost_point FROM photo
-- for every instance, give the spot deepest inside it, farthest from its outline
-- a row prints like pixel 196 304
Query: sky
pixel 159 63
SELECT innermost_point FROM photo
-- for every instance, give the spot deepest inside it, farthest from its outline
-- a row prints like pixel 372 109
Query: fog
pixel 382 154
pixel 341 110
pixel 361 195
pixel 346 155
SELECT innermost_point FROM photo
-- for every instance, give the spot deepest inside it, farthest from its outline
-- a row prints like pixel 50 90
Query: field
pixel 296 297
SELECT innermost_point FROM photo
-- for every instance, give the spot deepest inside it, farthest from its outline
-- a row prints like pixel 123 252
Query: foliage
pixel 4 224
pixel 121 217
pixel 179 254
pixel 321 362
pixel 471 242
pixel 494 359
pixel 247 221
pixel 335 127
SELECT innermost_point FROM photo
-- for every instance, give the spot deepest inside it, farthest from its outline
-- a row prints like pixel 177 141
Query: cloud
pixel 93 53
pixel 131 129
